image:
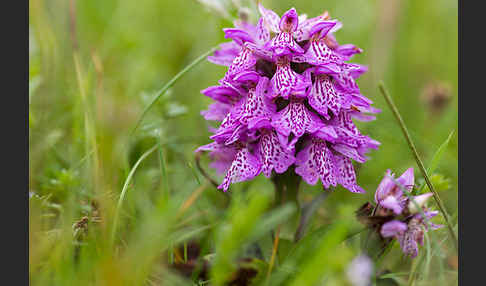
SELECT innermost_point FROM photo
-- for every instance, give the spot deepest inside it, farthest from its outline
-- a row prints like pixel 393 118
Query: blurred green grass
pixel 81 150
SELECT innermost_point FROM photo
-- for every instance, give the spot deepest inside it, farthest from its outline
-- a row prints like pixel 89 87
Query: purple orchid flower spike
pixel 397 215
pixel 288 99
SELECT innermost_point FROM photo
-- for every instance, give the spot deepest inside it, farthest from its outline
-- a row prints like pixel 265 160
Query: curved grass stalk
pixel 397 115
pixel 168 85
pixel 125 188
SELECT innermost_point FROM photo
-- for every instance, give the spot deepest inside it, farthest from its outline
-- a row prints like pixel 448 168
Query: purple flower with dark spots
pixel 288 98
pixel 398 215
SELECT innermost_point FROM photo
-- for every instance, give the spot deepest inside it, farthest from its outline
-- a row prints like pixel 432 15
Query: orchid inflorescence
pixel 397 215
pixel 288 98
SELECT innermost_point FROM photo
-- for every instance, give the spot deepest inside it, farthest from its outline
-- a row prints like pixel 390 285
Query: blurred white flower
pixel 360 270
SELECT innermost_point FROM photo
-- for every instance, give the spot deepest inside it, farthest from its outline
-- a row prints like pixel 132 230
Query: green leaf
pixel 328 253
pixel 436 159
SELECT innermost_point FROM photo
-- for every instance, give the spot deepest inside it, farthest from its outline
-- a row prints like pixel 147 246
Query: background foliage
pixel 89 83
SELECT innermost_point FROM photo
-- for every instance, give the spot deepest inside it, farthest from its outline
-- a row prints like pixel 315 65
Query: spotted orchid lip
pixel 287 99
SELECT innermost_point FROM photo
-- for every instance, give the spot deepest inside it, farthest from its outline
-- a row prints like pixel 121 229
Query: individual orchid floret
pixel 287 102
pixel 319 53
pixel 274 155
pixel 245 166
pixel 258 109
pixel 324 96
pixel 296 119
pixel 389 195
pixel 245 61
pixel 287 82
pixel 283 43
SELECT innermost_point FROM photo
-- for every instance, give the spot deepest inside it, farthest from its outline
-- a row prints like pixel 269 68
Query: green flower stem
pixel 437 198
pixel 286 190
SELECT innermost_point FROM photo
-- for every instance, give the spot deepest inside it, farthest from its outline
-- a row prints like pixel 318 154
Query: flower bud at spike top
pixel 288 98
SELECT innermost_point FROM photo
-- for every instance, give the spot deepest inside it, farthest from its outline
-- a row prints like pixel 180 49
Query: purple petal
pixel 304 28
pixel 262 35
pixel 258 108
pixel 411 238
pixel 355 70
pixel 243 62
pixel 393 228
pixel 321 29
pixel 216 111
pixel 286 81
pixel 328 68
pixel 346 81
pixel 229 124
pixel 223 94
pixel 323 96
pixel 349 152
pixel 406 179
pixel 222 156
pixel 326 133
pixel 348 50
pixel 247 77
pixel 289 21
pixel 296 118
pixel 316 161
pixel 393 204
pixel 344 172
pixel 385 187
pixel 270 18
pixel 225 55
pixel 283 44
pixel 237 35
pixel 273 154
pixel 244 167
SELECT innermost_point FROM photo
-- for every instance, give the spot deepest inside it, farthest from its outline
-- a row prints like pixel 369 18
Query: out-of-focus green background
pixel 85 100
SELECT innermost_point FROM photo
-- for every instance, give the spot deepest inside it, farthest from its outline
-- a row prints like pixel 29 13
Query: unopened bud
pixel 419 201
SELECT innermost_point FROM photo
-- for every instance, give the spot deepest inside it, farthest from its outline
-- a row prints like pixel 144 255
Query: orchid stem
pixel 437 198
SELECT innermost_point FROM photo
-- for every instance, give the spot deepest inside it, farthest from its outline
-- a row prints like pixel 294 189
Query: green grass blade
pixel 163 170
pixel 327 254
pixel 166 87
pixel 125 188
pixel 436 158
